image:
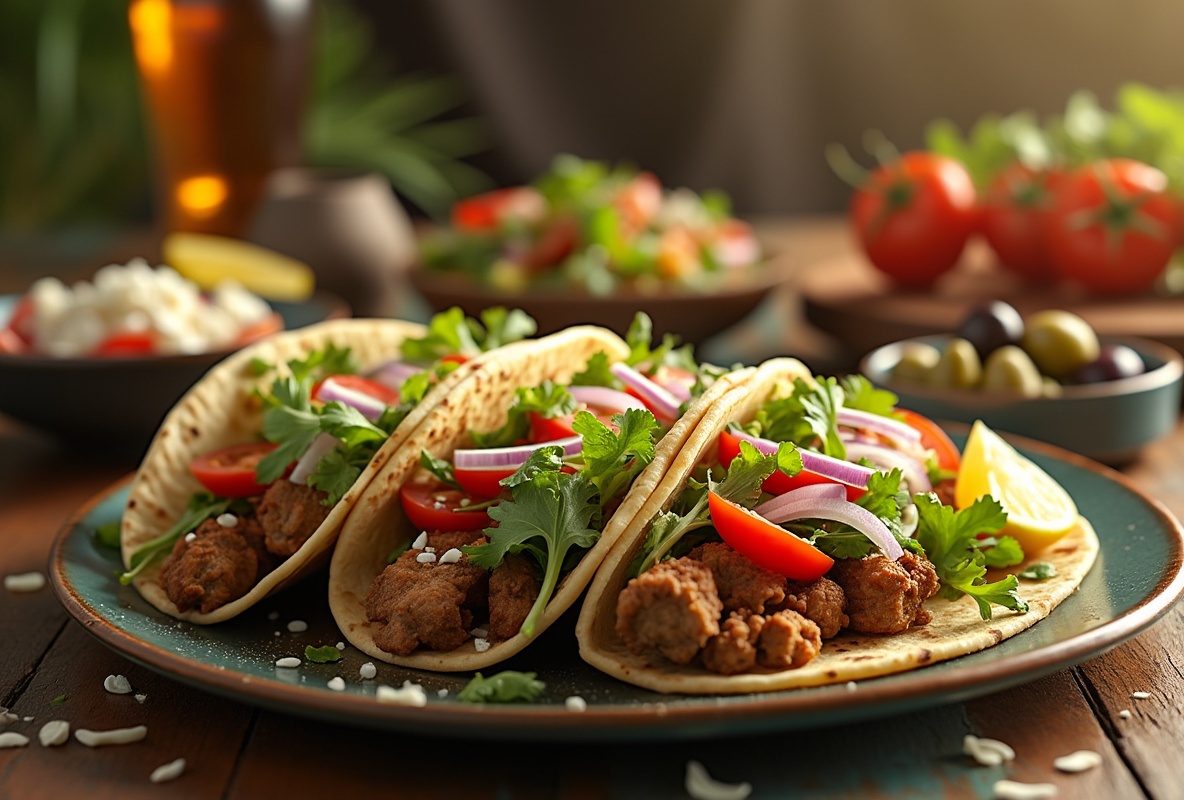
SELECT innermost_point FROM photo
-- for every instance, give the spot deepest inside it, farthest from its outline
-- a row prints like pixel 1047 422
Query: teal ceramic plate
pixel 1137 576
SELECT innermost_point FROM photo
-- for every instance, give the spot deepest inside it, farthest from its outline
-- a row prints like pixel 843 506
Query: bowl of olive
pixel 1047 377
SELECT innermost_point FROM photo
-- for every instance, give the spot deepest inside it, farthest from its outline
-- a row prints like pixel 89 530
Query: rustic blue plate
pixel 1137 577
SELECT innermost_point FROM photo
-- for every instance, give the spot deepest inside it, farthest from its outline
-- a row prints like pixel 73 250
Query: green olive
pixel 1052 388
pixel 917 361
pixel 1059 342
pixel 1010 370
pixel 959 366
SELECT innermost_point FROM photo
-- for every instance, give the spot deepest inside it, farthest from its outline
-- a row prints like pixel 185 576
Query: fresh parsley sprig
pixel 507 686
pixel 548 400
pixel 202 506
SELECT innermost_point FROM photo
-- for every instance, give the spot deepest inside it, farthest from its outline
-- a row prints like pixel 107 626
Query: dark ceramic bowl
pixel 693 315
pixel 118 401
pixel 1108 421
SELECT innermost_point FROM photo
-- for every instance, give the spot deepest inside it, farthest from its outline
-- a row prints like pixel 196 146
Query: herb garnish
pixel 107 534
pixel 548 400
pixel 507 686
pixel 1040 571
pixel 322 655
pixel 202 506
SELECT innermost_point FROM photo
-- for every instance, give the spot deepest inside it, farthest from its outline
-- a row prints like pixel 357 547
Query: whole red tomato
pixel 1012 220
pixel 913 216
pixel 1112 226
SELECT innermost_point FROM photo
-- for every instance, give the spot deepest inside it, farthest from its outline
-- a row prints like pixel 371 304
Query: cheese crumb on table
pixel 168 772
pixel 54 733
pixel 24 582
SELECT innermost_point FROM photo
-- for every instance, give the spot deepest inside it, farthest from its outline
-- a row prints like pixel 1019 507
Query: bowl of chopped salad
pixel 102 360
pixel 587 242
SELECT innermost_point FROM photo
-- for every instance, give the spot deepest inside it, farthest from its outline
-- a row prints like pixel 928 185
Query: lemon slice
pixel 207 260
pixel 1039 510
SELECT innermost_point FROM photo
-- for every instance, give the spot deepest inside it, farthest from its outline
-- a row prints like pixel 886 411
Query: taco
pixel 828 580
pixel 245 485
pixel 490 521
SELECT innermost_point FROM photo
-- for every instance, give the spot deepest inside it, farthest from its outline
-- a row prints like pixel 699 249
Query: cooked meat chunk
pixel 290 513
pixel 669 610
pixel 512 592
pixel 742 585
pixel 885 596
pixel 428 604
pixel 821 601
pixel 734 649
pixel 218 566
pixel 788 641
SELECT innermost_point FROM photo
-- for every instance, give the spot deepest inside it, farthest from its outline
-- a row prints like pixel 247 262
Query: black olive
pixel 991 326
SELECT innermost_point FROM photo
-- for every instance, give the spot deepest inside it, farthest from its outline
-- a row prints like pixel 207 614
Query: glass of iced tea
pixel 224 85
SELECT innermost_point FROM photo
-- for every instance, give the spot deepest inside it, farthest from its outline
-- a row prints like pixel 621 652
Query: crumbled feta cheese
pixel 451 556
pixel 852 686
pixel 7 716
pixel 54 733
pixel 227 520
pixel 1078 761
pixel 429 550
pixel 987 752
pixel 168 772
pixel 117 684
pixel 410 694
pixel 116 736
pixel 420 542
pixel 291 662
pixel 341 645
pixel 297 626
pixel 368 671
pixel 480 644
pixel 337 684
pixel 1124 714
pixel 189 537
pixel 1013 790
pixel 426 558
pixel 442 693
pixel 24 582
pixel 12 739
pixel 701 786
pixel 1140 695
pixel 140 698
pixel 575 703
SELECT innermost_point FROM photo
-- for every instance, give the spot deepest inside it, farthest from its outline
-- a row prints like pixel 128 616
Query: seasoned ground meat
pixel 669 610
pixel 885 596
pixel 788 641
pixel 742 585
pixel 821 601
pixel 512 591
pixel 290 513
pixel 734 649
pixel 428 604
pixel 218 566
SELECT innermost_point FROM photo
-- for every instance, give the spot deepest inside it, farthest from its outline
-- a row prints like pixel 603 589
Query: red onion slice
pixel 321 446
pixel 834 468
pixel 891 429
pixel 914 472
pixel 503 457
pixel 605 397
pixel 845 512
pixel 679 389
pixel 659 399
pixel 370 407
pixel 803 494
pixel 393 373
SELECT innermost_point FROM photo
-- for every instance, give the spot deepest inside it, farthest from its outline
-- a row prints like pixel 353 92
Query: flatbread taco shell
pixel 377 525
pixel 956 628
pixel 221 410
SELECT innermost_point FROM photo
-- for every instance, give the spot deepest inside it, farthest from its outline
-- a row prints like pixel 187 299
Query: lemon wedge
pixel 1039 510
pixel 207 260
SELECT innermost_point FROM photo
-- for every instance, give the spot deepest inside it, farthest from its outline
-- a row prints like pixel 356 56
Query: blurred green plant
pixel 72 140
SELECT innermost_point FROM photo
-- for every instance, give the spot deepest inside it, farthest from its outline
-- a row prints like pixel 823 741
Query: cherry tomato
pixel 638 202
pixel 1112 226
pixel 436 507
pixel 1012 220
pixel 767 545
pixel 483 483
pixel 913 217
pixel 454 358
pixel 557 241
pixel 548 429
pixel 270 324
pixel 21 321
pixel 230 472
pixel 779 482
pixel 127 343
pixel 486 212
pixel 932 438
pixel 366 386
pixel 11 344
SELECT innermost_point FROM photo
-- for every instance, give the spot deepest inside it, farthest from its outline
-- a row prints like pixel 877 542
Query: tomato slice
pixel 366 386
pixel 127 343
pixel 483 482
pixel 779 482
pixel 485 212
pixel 454 358
pixel 230 472
pixel 932 438
pixel 548 429
pixel 270 324
pixel 767 545
pixel 436 507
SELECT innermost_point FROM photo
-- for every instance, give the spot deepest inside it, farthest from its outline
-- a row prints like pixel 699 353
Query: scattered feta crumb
pixel 1079 761
pixel 12 739
pixel 291 662
pixel 410 694
pixel 480 644
pixel 852 686
pixel 168 772
pixel 28 719
pixel 7 716
pixel 429 549
pixel 24 582
pixel 189 537
pixel 337 684
pixel 117 684
pixel 54 733
pixel 426 558
pixel 368 671
pixel 479 633
pixel 1013 790
pixel 575 703
pixel 115 736
pixel 297 626
pixel 451 556
pixel 273 616
pixel 1124 714
pixel 464 501
pixel 442 693
pixel 341 645
pixel 420 542
pixel 227 520
pixel 987 752
pixel 140 698
pixel 1140 695
pixel 702 786
pixel 275 633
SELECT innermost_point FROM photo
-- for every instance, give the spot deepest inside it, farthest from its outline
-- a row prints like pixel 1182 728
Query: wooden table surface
pixel 234 750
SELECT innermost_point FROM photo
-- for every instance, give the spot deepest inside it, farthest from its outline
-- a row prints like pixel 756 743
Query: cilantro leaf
pixel 861 394
pixel 329 360
pixel 439 467
pixel 596 373
pixel 557 508
pixel 338 470
pixel 612 460
pixel 503 327
pixel 885 499
pixel 448 334
pixel 749 470
pixel 322 655
pixel 1040 571
pixel 201 507
pixel 808 416
pixel 640 336
pixel 548 400
pixel 544 459
pixel 507 686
